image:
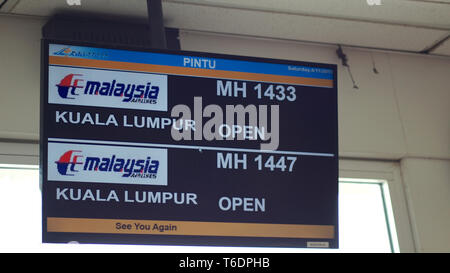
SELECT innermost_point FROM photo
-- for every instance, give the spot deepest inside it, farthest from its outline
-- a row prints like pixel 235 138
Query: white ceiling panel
pixel 302 28
pixel 49 7
pixel 431 14
pixel 411 25
pixel 428 14
pixel 443 49
pixel 8 5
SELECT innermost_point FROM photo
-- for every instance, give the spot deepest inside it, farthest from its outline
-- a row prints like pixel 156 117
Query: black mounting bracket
pixel 114 30
pixel 156 24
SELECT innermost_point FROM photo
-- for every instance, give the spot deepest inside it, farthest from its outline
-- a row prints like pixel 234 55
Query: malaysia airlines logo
pixel 68 85
pixel 135 93
pixel 127 167
pixel 117 89
pixel 107 164
pixel 67 162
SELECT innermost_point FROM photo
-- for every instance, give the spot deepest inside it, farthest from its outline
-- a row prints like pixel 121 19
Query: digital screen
pixel 143 146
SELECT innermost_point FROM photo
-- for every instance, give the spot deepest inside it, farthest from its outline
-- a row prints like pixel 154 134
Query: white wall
pixel 402 113
pixel 427 183
pixel 20 58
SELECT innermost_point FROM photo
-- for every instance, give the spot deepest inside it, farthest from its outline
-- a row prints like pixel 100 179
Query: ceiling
pixel 405 25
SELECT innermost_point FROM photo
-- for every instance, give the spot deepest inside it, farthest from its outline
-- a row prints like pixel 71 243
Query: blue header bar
pixel 189 61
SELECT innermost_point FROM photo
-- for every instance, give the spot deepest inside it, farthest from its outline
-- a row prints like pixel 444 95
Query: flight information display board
pixel 143 146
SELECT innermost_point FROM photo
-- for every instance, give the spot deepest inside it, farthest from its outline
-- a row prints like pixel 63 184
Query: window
pixel 365 219
pixel 365 216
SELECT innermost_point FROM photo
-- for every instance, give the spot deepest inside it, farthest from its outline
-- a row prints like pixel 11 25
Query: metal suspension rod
pixel 155 20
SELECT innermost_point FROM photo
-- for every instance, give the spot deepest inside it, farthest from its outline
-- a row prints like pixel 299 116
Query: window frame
pixel 390 172
pixel 27 153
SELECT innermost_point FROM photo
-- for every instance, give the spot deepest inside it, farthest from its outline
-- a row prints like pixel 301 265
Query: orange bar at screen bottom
pixel 156 227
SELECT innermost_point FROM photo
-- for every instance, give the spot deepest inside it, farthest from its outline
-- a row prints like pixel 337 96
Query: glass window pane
pixel 362 218
pixel 20 206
